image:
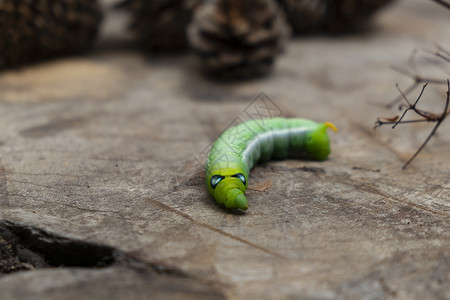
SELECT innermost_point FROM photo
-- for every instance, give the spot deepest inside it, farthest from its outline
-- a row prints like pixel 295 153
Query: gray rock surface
pixel 109 149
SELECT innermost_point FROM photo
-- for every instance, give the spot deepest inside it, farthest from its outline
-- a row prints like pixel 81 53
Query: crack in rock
pixel 25 247
pixel 86 270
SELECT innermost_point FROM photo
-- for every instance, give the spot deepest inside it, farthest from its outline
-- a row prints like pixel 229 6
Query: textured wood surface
pixel 109 149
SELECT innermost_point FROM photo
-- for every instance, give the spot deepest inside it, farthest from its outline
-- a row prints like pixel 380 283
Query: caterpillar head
pixel 317 142
pixel 228 187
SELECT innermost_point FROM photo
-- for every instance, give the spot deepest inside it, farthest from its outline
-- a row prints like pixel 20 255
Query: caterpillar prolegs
pixel 239 148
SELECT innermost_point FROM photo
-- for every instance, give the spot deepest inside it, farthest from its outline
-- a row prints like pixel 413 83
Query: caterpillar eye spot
pixel 215 180
pixel 241 177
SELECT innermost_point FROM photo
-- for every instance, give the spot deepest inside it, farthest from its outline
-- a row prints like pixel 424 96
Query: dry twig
pixel 425 117
pixel 414 73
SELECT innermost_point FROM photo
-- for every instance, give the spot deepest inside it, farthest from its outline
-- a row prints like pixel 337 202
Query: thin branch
pixel 443 56
pixel 422 146
pixel 415 77
pixel 426 117
pixel 411 106
pixel 400 97
pixel 439 121
pixel 380 122
pixel 414 74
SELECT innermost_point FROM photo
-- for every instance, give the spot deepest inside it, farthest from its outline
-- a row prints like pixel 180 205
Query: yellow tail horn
pixel 332 126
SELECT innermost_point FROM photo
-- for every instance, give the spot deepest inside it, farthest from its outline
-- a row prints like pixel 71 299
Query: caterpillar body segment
pixel 239 148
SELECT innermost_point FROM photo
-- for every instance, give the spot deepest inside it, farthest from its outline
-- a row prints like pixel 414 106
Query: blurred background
pixel 108 110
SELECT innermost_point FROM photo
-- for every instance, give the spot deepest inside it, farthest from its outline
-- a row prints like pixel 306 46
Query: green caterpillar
pixel 239 148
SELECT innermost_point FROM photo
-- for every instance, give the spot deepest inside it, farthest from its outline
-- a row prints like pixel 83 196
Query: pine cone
pixel 36 29
pixel 160 25
pixel 306 16
pixel 238 38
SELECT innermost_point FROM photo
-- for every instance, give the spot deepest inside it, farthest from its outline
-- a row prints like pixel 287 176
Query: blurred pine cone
pixel 36 29
pixel 238 38
pixel 306 16
pixel 160 25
